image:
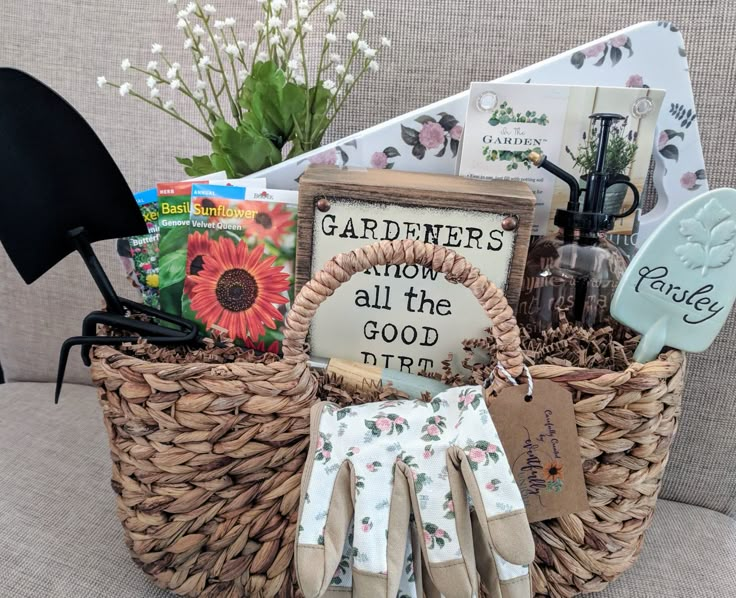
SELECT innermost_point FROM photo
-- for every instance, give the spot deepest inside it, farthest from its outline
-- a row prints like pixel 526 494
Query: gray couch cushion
pixel 60 536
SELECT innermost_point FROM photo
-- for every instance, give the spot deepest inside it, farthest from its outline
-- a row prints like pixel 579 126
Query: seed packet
pixel 173 221
pixel 240 263
pixel 139 255
pixel 144 248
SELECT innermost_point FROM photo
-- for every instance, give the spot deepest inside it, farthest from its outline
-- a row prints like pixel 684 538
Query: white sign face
pixel 680 286
pixel 406 317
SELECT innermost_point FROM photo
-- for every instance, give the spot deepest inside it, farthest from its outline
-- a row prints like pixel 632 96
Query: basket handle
pixel 440 259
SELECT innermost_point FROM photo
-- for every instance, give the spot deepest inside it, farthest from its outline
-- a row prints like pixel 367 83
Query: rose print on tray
pixel 709 237
pixel 380 160
pixel 612 48
pixel 691 180
pixel 636 81
pixel 433 134
pixel 666 144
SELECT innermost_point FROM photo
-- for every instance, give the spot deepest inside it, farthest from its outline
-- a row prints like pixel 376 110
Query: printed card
pixel 506 121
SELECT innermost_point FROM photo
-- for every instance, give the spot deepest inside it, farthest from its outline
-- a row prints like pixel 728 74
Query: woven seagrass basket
pixel 207 457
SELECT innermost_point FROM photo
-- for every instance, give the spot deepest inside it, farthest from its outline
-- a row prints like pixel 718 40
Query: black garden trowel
pixel 44 144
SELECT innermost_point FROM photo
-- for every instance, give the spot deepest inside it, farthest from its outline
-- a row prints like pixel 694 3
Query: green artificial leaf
pixel 578 60
pixel 422 120
pixel 270 104
pixel 243 151
pixel 198 165
pixel 391 152
pixel 319 103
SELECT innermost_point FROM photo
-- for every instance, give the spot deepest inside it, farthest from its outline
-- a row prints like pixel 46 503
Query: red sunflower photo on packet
pixel 240 265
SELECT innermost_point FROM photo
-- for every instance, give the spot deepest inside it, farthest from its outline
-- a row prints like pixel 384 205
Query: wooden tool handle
pixel 440 259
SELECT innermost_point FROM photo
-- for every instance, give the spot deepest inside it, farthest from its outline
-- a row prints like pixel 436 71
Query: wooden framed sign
pixel 407 318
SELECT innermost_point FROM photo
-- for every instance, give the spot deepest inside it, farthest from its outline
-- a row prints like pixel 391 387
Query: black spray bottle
pixel 576 271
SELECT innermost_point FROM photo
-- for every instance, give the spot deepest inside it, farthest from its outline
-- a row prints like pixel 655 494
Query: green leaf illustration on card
pixel 173 265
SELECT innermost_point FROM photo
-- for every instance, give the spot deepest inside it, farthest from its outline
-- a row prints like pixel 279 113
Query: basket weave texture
pixel 207 457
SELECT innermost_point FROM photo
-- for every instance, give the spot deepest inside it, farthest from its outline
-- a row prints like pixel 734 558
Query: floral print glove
pixel 378 464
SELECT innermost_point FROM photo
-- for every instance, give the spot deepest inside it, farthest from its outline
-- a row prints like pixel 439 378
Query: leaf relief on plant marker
pixel 709 237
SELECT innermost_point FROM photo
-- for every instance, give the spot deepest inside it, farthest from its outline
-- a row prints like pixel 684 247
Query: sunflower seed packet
pixel 173 221
pixel 240 263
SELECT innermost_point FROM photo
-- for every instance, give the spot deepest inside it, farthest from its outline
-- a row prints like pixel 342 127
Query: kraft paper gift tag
pixel 541 442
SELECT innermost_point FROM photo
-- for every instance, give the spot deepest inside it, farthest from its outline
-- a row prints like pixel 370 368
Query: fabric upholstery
pixel 439 48
pixel 60 535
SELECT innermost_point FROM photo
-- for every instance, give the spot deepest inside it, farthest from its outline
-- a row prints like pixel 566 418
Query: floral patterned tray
pixel 650 54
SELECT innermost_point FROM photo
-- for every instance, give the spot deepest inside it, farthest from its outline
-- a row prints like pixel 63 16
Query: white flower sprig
pixel 221 63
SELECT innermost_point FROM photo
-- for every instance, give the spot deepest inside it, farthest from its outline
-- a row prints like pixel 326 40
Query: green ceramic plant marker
pixel 680 286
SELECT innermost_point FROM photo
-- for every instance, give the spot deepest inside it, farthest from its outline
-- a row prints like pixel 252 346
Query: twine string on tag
pixel 512 380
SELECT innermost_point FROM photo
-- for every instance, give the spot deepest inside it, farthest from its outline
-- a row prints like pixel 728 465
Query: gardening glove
pixel 341 584
pixel 380 461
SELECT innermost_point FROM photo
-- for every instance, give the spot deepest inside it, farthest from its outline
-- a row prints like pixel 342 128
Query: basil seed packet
pixel 240 263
